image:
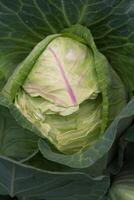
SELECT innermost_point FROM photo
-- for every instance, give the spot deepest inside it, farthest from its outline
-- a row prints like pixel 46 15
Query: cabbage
pixel 62 94
pixel 66 99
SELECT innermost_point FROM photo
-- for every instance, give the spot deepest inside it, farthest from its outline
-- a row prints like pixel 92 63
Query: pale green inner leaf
pixel 68 133
pixel 61 95
pixel 64 74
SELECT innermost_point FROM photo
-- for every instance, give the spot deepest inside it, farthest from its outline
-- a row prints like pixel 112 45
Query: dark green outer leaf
pixel 122 151
pixel 24 23
pixel 39 162
pixel 117 157
pixel 3 197
pixel 15 142
pixel 129 157
pixel 129 135
pixel 114 36
pixel 27 182
pixel 124 154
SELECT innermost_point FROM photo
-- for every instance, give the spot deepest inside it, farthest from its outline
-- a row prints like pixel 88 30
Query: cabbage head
pixel 68 91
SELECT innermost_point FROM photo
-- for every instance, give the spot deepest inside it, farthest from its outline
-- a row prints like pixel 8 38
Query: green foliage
pixel 31 168
pixel 15 142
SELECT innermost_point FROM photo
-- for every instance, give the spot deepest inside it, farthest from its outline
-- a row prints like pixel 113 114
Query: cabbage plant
pixel 67 90
pixel 66 97
pixel 70 91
